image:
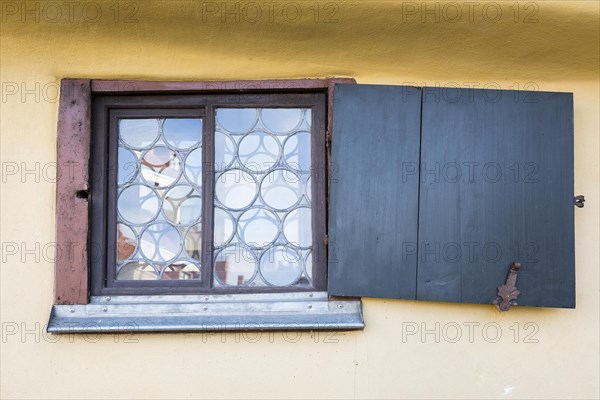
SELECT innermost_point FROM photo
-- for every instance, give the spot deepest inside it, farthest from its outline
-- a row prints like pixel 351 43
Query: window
pixel 222 194
pixel 206 208
pixel 275 204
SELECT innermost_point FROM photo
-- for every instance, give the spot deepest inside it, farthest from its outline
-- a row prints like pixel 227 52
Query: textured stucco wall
pixel 555 48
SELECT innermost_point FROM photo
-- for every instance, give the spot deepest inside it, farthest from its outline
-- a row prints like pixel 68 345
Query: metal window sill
pixel 188 313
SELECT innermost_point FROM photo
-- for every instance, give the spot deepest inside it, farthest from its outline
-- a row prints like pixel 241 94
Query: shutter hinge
pixel 328 137
pixel 326 240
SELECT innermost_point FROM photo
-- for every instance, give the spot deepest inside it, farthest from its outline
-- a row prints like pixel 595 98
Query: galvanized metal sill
pixel 239 312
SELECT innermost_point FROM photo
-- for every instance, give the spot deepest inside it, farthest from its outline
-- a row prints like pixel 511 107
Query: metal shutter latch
pixel 508 293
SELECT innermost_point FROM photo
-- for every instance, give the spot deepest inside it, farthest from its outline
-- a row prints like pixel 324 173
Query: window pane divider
pixel 208 189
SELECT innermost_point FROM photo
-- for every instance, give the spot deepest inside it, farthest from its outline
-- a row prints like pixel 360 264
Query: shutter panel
pixel 513 200
pixel 374 191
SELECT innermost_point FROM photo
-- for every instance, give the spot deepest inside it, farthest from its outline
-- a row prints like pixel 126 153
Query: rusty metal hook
pixel 579 201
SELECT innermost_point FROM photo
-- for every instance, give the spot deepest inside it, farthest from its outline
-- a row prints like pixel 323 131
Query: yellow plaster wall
pixel 550 45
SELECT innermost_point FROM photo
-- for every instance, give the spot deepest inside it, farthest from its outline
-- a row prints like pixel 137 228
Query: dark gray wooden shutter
pixel 374 191
pixel 496 187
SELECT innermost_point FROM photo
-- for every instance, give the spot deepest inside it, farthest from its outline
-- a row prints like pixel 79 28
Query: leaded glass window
pixel 262 218
pixel 159 201
pixel 219 196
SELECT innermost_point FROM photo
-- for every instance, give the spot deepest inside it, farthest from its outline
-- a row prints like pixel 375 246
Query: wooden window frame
pixel 72 273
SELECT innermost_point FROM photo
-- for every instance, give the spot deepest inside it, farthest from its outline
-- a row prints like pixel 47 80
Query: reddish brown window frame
pixel 72 273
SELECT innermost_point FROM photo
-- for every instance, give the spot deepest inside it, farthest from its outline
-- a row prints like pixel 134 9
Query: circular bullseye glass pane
pixel 137 270
pixel 193 241
pixel 224 151
pixel 180 269
pixel 281 266
pixel 161 167
pixel 258 227
pixel 182 205
pixel 160 242
pixel 138 133
pixel 182 133
pixel 126 242
pixel 281 120
pixel 193 167
pixel 235 266
pixel 296 151
pixel 308 265
pixel 128 166
pixel 138 204
pixel 237 120
pixel 308 188
pixel 258 151
pixel 223 227
pixel 297 227
pixel 235 189
pixel 281 189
